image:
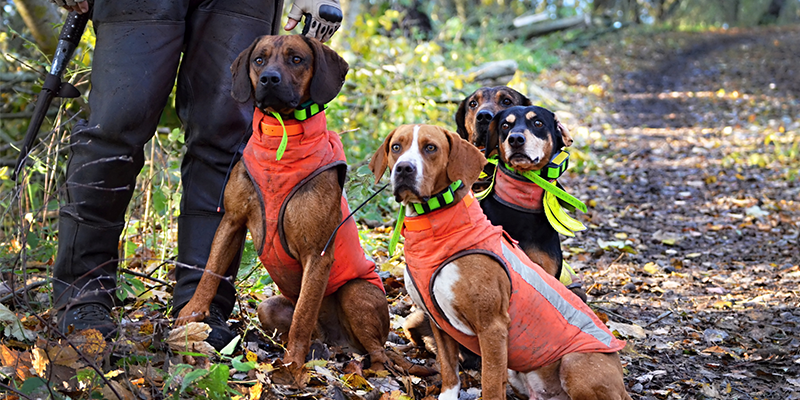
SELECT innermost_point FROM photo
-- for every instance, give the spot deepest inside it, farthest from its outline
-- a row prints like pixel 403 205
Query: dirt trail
pixel 707 205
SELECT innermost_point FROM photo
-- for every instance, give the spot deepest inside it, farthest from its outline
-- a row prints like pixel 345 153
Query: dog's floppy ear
pixel 241 87
pixel 465 161
pixel 524 100
pixel 562 129
pixel 329 72
pixel 380 160
pixel 461 114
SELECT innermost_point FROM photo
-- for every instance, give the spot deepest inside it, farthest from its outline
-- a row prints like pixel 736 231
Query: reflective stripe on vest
pixel 547 321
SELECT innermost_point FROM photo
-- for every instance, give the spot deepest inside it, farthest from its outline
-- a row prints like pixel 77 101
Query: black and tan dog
pixel 291 201
pixel 482 291
pixel 526 139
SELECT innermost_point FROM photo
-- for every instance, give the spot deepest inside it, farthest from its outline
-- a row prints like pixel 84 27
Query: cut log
pixel 524 20
pixel 493 70
pixel 580 21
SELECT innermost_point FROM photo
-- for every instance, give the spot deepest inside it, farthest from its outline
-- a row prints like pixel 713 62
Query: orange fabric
pixel 547 320
pixel 271 127
pixel 306 154
pixel 517 191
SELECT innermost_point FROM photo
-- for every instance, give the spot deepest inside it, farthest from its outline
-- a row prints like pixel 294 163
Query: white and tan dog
pixel 481 290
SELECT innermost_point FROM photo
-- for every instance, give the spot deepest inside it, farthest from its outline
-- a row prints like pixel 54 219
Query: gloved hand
pixel 323 17
pixel 79 6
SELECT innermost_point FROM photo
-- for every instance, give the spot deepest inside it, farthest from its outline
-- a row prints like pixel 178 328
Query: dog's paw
pixel 191 314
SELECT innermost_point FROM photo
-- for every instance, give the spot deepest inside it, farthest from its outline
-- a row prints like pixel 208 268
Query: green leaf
pixel 242 366
pixel 230 347
pixel 31 384
pixel 191 377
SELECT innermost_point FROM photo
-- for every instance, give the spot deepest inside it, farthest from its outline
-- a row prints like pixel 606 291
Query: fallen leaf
pixel 651 268
pixel 39 361
pixel 21 362
pixel 255 391
pixel 191 337
pixel 123 392
pixel 627 330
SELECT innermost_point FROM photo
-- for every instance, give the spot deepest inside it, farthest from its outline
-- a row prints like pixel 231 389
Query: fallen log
pixel 580 21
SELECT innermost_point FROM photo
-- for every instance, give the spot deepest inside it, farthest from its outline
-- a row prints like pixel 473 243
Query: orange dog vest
pixel 547 320
pixel 517 192
pixel 311 149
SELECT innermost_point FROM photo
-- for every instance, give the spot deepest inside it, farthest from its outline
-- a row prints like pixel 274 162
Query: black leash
pixel 324 249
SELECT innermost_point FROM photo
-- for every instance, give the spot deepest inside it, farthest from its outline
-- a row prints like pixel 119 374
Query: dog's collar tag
pixel 308 110
pixel 440 200
pixel 557 166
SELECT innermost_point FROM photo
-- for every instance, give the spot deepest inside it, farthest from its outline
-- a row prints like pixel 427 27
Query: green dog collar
pixel 447 197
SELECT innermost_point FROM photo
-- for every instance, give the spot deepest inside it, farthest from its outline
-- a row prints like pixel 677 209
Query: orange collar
pixel 269 126
pixel 422 222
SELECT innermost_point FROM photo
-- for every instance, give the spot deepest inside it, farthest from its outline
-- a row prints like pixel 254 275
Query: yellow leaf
pixel 40 361
pixel 720 304
pixel 651 268
pixel 355 381
pixel 621 235
pixel 255 391
pixel 251 356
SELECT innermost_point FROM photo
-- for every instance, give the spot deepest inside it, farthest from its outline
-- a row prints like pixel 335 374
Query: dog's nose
pixel 270 78
pixel 516 140
pixel 405 169
pixel 484 116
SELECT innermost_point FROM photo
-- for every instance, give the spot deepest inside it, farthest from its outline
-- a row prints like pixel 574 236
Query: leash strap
pixel 284 138
pixel 551 188
pixel 302 113
pixel 485 192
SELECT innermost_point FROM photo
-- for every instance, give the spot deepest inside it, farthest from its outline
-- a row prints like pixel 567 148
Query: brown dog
pixel 482 291
pixel 340 301
pixel 477 110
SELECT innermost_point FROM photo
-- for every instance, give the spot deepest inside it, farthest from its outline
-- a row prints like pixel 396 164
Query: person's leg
pixel 135 61
pixel 215 127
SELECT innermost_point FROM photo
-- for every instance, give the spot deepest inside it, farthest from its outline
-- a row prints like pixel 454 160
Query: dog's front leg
pixel 230 234
pixel 312 289
pixel 447 357
pixel 493 340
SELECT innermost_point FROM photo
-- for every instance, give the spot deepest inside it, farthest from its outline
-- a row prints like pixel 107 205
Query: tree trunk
pixel 773 12
pixel 40 17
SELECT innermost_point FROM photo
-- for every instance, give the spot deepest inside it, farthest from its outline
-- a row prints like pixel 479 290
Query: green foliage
pixel 395 80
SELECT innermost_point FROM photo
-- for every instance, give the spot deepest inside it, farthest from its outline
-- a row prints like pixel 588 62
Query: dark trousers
pixel 136 61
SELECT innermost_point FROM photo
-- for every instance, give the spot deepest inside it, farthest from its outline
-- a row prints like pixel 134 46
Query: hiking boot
pixel 87 316
pixel 221 334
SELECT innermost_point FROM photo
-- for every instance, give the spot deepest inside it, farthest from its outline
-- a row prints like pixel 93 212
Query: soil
pixel 691 184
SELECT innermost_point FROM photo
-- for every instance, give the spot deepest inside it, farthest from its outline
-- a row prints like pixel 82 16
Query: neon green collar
pixel 441 199
pixel 301 113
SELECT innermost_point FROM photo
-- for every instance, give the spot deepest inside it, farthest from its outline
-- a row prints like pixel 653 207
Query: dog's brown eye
pixel 506 102
pixel 473 104
pixel 430 148
pixel 538 124
pixel 259 61
pixel 395 147
pixel 504 126
pixel 296 59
